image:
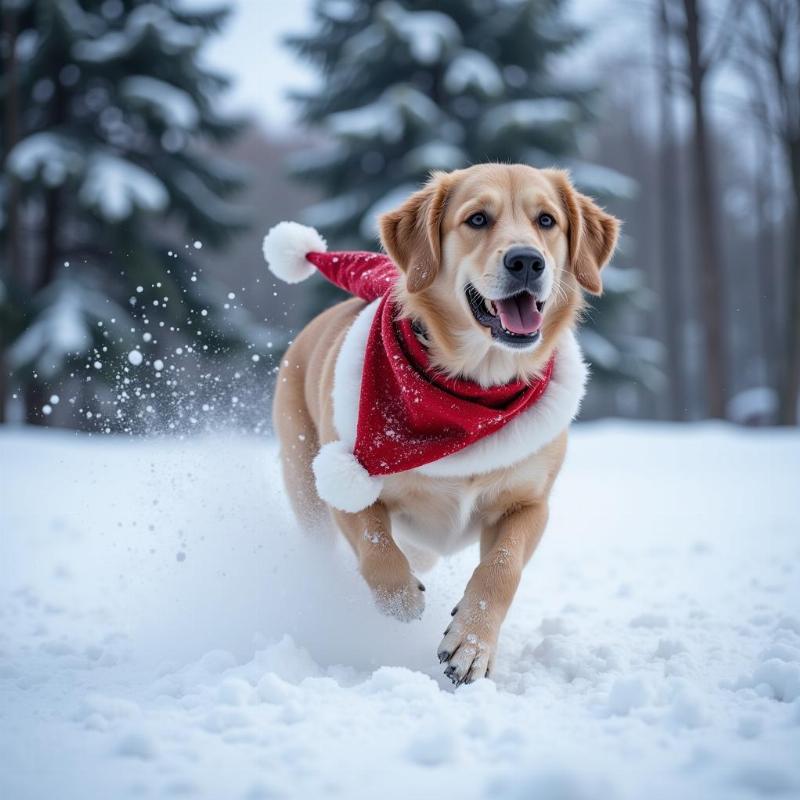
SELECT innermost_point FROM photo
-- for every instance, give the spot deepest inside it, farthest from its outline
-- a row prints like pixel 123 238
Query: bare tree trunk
pixel 672 290
pixel 764 260
pixel 712 278
pixel 10 134
pixel 35 392
pixel 791 388
pixel 3 387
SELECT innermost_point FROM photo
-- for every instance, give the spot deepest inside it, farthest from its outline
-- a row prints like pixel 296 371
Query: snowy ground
pixel 166 630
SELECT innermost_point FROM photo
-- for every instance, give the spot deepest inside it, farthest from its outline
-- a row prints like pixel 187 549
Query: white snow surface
pixel 166 629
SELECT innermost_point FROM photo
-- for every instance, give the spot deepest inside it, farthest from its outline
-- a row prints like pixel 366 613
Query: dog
pixel 492 264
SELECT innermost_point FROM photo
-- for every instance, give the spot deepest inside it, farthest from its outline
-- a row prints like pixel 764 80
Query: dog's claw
pixel 454 611
pixel 467 646
pixel 421 587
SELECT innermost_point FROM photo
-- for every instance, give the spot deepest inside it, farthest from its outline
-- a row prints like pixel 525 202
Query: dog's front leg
pixel 470 641
pixel 397 591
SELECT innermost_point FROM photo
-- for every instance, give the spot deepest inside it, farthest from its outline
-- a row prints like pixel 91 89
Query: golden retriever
pixel 494 259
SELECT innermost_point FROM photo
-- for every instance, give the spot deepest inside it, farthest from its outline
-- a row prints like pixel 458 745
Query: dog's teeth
pixel 490 307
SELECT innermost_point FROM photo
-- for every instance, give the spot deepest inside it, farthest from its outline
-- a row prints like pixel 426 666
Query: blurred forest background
pixel 134 194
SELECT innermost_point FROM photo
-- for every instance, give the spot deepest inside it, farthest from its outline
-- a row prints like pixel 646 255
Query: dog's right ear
pixel 411 235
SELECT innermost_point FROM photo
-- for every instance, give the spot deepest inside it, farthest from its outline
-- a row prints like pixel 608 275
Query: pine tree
pixel 413 86
pixel 110 115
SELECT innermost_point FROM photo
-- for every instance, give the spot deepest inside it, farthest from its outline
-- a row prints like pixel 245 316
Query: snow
pixel 373 120
pixel 435 155
pixel 471 69
pixel 51 154
pixel 758 402
pixel 114 185
pixel 622 281
pixel 135 358
pixel 340 10
pixel 599 350
pixel 167 629
pixel 529 114
pixel 28 42
pixel 386 118
pixel 603 181
pixel 393 199
pixel 117 188
pixel 61 329
pixel 147 19
pixel 172 105
pixel 334 212
pixel 206 201
pixel 427 34
pixel 366 46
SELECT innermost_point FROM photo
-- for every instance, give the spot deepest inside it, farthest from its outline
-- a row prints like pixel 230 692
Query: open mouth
pixel 515 321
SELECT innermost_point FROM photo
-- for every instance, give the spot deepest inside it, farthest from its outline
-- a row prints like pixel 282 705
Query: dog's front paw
pixel 404 600
pixel 469 643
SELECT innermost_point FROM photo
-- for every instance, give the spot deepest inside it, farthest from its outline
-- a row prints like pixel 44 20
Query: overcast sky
pixel 250 50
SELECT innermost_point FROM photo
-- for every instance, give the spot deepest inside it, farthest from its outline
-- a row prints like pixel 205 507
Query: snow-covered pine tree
pixel 110 115
pixel 409 86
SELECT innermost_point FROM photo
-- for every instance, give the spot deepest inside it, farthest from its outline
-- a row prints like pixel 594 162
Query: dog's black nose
pixel 524 260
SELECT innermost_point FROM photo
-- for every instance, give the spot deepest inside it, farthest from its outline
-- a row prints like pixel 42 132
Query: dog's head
pixel 495 257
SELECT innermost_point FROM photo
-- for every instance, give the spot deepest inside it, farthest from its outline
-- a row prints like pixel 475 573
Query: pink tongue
pixel 519 315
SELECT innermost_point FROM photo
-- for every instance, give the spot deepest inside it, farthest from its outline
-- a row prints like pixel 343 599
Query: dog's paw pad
pixel 467 648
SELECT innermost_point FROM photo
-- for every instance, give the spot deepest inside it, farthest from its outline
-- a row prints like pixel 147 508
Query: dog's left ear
pixel 411 235
pixel 592 233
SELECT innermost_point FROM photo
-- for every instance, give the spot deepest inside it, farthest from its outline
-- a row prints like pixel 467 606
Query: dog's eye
pixel 546 221
pixel 478 220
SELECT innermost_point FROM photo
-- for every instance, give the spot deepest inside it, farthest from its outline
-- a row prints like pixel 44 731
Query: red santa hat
pixel 392 411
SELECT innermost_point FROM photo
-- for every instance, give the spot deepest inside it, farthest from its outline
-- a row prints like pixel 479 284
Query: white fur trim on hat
pixel 285 248
pixel 341 481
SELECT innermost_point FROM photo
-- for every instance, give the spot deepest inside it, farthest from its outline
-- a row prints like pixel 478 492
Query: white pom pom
pixel 341 481
pixel 285 248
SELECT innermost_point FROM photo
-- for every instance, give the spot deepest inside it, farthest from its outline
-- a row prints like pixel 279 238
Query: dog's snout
pixel 524 261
